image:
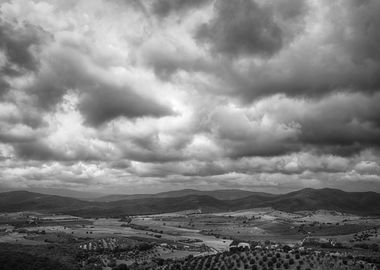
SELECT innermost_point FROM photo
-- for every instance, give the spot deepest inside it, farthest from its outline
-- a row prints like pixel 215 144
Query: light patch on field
pixel 326 216
pixel 266 213
pixel 18 238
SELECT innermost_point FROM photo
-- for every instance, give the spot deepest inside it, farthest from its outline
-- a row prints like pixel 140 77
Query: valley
pixel 161 241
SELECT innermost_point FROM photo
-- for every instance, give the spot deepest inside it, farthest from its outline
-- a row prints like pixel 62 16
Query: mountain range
pixel 220 194
pixel 361 203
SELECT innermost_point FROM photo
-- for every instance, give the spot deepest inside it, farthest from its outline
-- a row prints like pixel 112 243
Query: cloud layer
pixel 144 96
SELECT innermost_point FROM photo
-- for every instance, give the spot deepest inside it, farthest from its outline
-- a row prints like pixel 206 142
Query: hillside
pixel 30 201
pixel 362 203
pixel 152 206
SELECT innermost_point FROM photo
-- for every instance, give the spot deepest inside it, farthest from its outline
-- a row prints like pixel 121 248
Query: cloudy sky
pixel 133 96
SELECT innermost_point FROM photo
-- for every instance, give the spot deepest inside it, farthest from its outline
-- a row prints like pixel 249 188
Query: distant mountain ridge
pixel 361 203
pixel 221 194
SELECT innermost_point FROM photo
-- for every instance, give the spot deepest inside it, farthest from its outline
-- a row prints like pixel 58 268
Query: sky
pixel 142 96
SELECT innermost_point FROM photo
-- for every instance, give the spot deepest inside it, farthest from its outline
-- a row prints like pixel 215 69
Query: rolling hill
pixel 361 203
pixel 14 201
pixel 366 203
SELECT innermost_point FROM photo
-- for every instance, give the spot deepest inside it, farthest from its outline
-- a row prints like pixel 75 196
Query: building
pixel 314 241
pixel 237 245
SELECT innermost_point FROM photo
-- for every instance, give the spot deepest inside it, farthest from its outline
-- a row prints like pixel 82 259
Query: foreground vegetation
pixel 14 260
pixel 268 259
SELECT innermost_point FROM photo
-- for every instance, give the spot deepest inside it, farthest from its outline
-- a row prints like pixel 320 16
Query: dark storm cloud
pixel 289 9
pixel 6 137
pixel 241 28
pixel 241 149
pixel 25 116
pixel 363 39
pixel 163 8
pixel 342 124
pixel 343 130
pixel 32 119
pixel 339 137
pixel 150 148
pixel 157 156
pixel 137 4
pixel 165 64
pixel 105 103
pixel 4 86
pixel 18 42
pixel 65 68
pixel 41 150
pixel 247 30
pixel 345 57
pixel 36 150
pixel 241 134
pixel 19 124
pixel 101 100
pixel 120 164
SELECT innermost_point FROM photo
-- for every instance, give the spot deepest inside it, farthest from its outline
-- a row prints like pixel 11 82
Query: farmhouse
pixel 314 241
pixel 237 245
pixel 243 245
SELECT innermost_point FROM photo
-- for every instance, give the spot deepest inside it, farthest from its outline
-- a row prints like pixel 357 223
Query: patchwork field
pixel 261 224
